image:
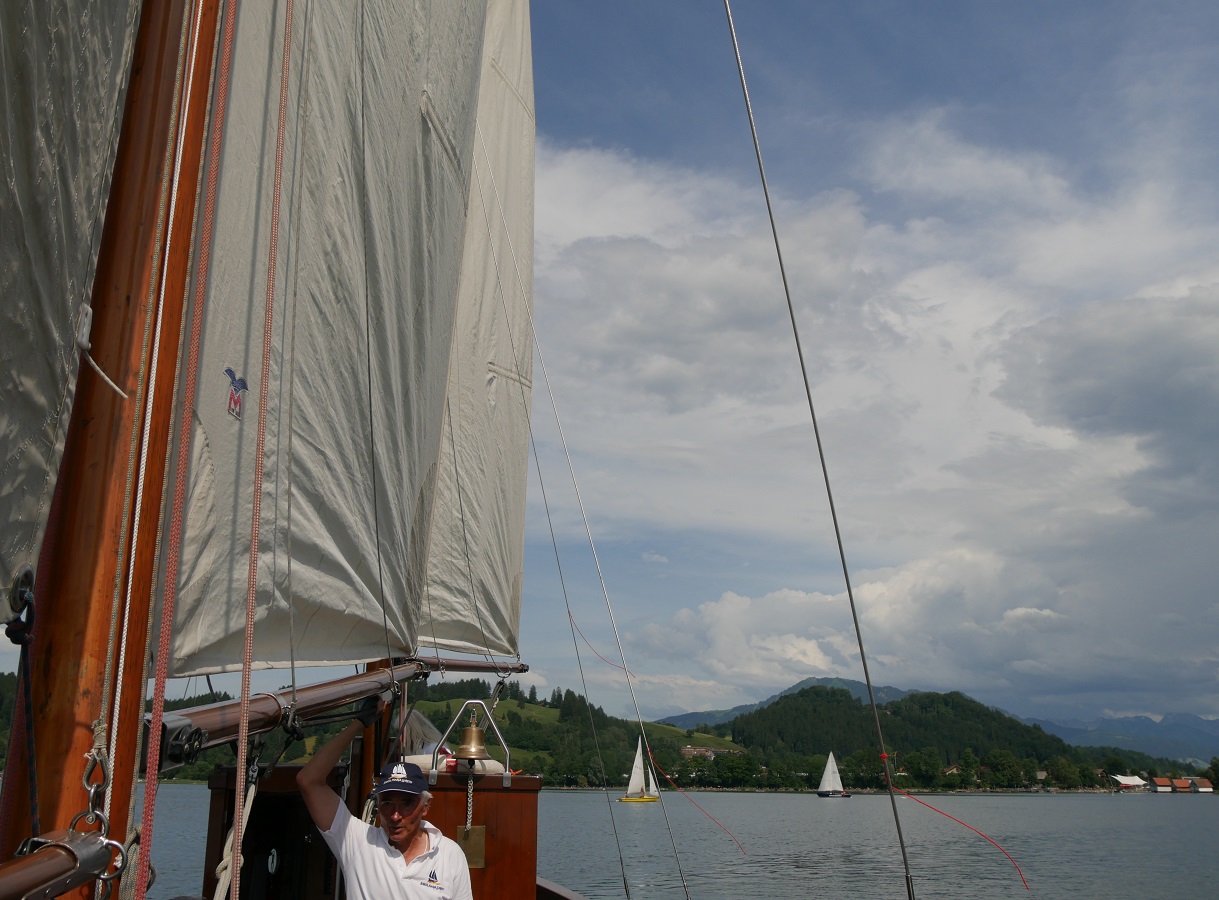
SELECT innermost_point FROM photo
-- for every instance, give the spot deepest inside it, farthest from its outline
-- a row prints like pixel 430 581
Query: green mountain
pixel 857 689
pixel 821 719
pixel 926 733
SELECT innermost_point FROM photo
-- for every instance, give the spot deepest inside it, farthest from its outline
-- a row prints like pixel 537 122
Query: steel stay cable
pixel 550 523
pixel 580 666
pixel 542 487
pixel 589 537
pixel 820 449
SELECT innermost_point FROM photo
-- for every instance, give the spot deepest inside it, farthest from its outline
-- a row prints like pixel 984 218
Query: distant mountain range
pixel 1177 736
pixel 1181 736
pixel 858 690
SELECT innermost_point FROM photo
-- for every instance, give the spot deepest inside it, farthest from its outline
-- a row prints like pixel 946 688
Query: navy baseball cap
pixel 403 777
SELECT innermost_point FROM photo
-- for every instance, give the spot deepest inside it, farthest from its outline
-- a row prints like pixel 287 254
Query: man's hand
pixel 369 710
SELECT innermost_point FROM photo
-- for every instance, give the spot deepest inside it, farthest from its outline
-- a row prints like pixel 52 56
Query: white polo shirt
pixel 373 870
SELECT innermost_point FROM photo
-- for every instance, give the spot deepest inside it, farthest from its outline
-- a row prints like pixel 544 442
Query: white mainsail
pixel 831 782
pixel 640 785
pixel 63 77
pixel 475 560
pixel 378 202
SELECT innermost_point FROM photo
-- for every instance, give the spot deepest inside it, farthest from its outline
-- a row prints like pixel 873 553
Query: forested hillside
pixel 819 719
pixel 925 734
pixel 780 747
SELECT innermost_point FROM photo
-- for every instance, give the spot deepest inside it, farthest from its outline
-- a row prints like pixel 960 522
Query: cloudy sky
pixel 999 223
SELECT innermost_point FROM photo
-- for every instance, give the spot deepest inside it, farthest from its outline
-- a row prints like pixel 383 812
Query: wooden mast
pixel 87 564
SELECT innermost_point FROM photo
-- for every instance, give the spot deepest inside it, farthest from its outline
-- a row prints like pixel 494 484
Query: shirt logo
pixel 432 883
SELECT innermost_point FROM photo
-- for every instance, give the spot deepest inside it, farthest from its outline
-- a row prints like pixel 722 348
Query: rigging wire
pixel 605 595
pixel 584 516
pixel 516 358
pixel 825 474
pixel 592 648
pixel 911 796
pixel 685 794
pixel 554 543
pixel 256 511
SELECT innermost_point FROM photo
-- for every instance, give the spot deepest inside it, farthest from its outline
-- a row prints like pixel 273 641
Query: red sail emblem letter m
pixel 237 387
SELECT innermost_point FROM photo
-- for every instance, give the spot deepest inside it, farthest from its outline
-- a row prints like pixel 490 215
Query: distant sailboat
pixel 831 782
pixel 640 789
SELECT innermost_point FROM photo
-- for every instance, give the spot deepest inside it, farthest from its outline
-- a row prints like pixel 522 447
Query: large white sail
pixel 376 178
pixel 473 598
pixel 63 75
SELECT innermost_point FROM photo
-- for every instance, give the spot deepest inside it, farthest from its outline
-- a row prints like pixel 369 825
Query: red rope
pixel 657 767
pixel 594 649
pixel 256 509
pixel 173 556
pixel 959 822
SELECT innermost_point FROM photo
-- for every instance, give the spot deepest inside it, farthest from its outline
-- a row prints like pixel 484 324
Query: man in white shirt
pixel 407 857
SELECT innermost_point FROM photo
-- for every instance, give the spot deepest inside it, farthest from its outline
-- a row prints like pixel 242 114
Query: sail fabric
pixel 634 785
pixel 63 75
pixel 377 179
pixel 475 562
pixel 640 782
pixel 830 780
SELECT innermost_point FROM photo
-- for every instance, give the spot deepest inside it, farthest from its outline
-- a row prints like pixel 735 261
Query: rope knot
pixel 19 632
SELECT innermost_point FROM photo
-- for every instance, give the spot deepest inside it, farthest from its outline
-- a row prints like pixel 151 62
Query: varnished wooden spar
pixel 23 874
pixel 187 731
pixel 87 561
pixel 63 860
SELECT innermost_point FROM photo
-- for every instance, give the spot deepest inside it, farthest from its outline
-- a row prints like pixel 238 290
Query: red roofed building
pixel 1182 786
pixel 1161 786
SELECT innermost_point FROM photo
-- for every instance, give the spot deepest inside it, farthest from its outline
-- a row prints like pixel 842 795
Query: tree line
pixel 934 741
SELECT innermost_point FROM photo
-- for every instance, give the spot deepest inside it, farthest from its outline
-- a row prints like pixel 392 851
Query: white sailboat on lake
pixel 641 788
pixel 831 781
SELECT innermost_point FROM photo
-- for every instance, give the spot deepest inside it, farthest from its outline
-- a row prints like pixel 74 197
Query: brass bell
pixel 473 741
pixel 473 744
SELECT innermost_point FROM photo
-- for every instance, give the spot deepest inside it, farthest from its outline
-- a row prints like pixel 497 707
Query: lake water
pixel 799 846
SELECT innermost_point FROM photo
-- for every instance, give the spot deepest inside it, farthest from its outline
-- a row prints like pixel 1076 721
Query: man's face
pixel 400 814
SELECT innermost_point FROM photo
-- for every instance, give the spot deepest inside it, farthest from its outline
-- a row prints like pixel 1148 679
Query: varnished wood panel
pixel 510 816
